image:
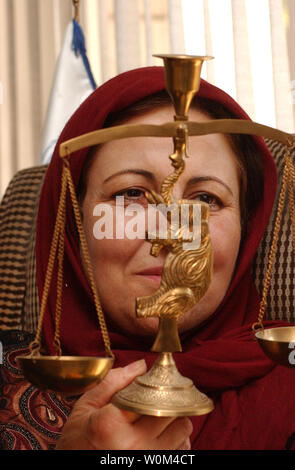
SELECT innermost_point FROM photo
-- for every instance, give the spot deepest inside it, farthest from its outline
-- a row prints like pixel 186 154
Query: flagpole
pixel 72 83
pixel 76 4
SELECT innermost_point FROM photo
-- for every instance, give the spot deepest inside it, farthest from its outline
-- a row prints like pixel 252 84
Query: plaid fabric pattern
pixel 19 304
pixel 31 299
pixel 281 296
pixel 18 290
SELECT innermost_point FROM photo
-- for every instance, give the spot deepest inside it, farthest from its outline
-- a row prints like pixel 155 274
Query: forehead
pixel 209 154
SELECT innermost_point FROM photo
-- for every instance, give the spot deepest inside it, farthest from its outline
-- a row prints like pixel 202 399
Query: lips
pixel 153 274
pixel 155 271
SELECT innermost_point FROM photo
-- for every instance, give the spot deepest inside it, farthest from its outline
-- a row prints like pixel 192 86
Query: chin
pixel 146 285
pixel 145 327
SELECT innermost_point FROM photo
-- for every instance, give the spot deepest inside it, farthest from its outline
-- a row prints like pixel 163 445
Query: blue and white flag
pixel 73 82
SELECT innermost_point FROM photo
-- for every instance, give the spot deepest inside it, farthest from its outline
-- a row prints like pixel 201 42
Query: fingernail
pixel 138 366
pixel 187 444
pixel 189 426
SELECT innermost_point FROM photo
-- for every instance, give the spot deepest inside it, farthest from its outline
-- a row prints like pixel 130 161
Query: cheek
pixel 110 251
pixel 226 236
pixel 111 256
pixel 225 232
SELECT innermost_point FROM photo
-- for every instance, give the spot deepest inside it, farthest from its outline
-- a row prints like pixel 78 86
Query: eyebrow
pixel 150 176
pixel 136 171
pixel 197 179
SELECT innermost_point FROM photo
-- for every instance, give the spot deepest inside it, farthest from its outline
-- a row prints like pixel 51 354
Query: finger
pixel 115 380
pixel 176 433
pixel 117 427
pixel 186 445
pixel 115 416
pixel 153 426
pixel 111 428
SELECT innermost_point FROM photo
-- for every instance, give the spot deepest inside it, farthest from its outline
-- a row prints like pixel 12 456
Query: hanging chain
pixel 86 256
pixel 59 286
pixel 57 246
pixel 291 198
pixel 35 345
pixel 287 181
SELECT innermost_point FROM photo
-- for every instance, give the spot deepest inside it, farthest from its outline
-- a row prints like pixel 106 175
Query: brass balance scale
pixel 187 273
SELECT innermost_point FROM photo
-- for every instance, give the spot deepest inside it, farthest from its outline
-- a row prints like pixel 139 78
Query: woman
pixel 250 394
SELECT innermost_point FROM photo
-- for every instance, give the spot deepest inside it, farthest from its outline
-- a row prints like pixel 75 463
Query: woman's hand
pixel 96 424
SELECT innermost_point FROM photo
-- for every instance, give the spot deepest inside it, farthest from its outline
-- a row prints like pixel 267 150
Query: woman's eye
pixel 213 201
pixel 131 194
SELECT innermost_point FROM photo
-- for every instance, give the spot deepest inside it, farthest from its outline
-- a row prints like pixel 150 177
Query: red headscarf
pixel 221 356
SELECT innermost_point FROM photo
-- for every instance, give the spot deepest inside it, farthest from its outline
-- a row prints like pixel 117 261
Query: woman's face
pixel 124 268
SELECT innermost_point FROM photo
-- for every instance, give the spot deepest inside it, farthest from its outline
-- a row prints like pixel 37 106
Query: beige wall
pixel 31 34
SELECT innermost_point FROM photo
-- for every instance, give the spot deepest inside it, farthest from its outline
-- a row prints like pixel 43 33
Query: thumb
pixel 115 380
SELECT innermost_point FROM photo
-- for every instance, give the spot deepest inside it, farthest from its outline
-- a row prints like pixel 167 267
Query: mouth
pixel 154 274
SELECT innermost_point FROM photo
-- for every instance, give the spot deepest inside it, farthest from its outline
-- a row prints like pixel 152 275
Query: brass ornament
pixel 185 279
pixel 163 391
pixel 186 274
pixel 183 78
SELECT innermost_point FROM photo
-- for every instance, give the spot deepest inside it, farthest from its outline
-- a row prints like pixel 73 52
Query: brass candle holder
pixel 187 273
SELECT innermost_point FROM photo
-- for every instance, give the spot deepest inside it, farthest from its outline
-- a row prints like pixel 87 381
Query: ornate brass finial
pixel 187 271
pixel 183 76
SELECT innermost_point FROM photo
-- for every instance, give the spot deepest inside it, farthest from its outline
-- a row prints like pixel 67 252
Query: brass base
pixel 163 391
